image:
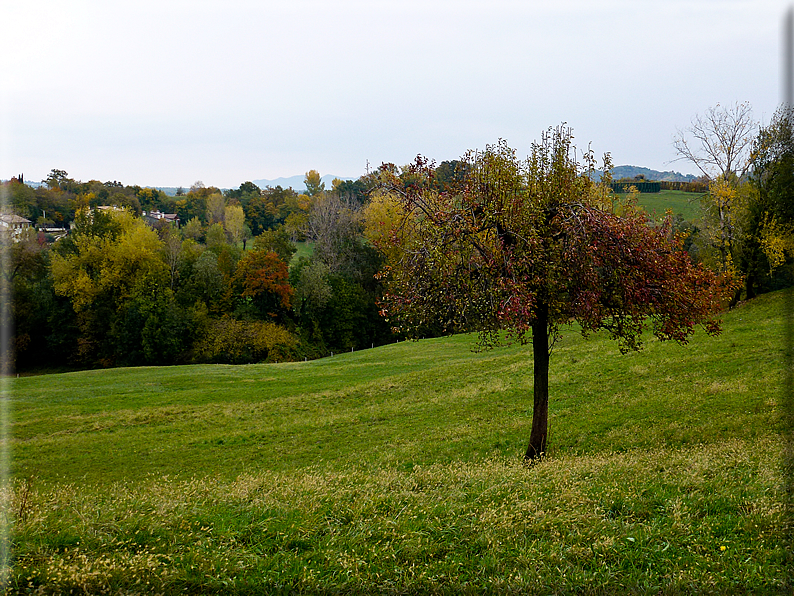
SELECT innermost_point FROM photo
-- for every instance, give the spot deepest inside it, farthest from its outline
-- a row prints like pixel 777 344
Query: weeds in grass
pixel 656 521
pixel 23 500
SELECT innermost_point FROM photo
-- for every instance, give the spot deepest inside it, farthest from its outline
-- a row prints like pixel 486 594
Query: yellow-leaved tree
pixel 383 218
pixel 109 259
pixel 111 265
pixel 234 222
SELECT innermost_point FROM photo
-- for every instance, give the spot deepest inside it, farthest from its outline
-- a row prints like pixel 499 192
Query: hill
pixel 398 470
pixel 296 182
pixel 619 172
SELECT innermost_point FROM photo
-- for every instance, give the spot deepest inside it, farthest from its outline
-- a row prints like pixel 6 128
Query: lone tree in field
pixel 526 246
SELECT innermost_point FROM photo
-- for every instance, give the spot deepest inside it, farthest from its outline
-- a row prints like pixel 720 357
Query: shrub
pixel 230 341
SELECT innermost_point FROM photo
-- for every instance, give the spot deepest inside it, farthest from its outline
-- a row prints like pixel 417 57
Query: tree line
pixel 120 290
pixel 225 285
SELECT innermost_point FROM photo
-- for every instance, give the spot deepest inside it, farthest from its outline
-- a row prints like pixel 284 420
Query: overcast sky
pixel 168 92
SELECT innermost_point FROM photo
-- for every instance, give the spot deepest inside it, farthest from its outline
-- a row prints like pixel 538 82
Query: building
pixel 158 218
pixel 13 225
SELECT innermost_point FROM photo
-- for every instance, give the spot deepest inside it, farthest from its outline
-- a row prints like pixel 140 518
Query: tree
pixel 312 290
pixel 314 184
pixel 238 342
pixel 23 300
pixel 205 283
pixel 723 223
pixel 216 208
pixel 172 251
pixel 148 199
pixel 56 178
pixel 721 149
pixel 771 227
pixel 295 225
pixel 23 198
pixel 216 237
pixel 335 227
pixel 109 262
pixel 246 192
pixel 193 229
pixel 722 141
pixel 448 172
pixel 527 246
pixel 353 190
pixel 381 216
pixel 263 277
pixel 234 222
pixel 192 205
pixel 262 214
pixel 276 241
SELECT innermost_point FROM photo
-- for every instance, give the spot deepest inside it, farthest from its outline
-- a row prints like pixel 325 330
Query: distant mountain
pixel 169 190
pixel 296 182
pixel 619 172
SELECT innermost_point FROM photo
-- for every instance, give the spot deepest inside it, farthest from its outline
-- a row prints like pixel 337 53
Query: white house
pixel 155 217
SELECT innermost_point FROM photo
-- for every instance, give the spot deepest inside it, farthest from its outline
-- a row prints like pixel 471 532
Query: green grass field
pixel 685 203
pixel 305 249
pixel 398 470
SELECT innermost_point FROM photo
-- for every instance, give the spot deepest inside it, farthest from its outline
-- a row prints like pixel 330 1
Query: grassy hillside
pixel 398 470
pixel 305 249
pixel 685 203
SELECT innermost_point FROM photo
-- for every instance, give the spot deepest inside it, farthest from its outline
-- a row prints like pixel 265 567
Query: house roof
pixel 161 215
pixel 13 219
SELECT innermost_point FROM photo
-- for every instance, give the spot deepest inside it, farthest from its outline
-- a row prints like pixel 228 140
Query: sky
pixel 170 92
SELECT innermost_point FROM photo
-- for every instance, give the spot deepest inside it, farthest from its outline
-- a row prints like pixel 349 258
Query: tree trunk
pixel 540 408
pixel 749 285
pixel 737 294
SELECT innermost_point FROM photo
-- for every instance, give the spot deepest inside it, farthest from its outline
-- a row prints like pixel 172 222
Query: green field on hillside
pixel 304 249
pixel 685 203
pixel 398 470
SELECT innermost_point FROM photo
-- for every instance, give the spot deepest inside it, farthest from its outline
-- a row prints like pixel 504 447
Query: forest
pixel 223 284
pixel 218 285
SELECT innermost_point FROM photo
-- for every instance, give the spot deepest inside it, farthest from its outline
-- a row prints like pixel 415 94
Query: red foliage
pixel 614 273
pixel 527 246
pixel 259 273
pixel 502 243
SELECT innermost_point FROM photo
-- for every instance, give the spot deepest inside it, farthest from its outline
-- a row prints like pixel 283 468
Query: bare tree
pixel 334 225
pixel 720 144
pixel 172 250
pixel 720 141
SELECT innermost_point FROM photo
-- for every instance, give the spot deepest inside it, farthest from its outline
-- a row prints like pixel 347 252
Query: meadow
pixel 679 202
pixel 304 249
pixel 398 470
